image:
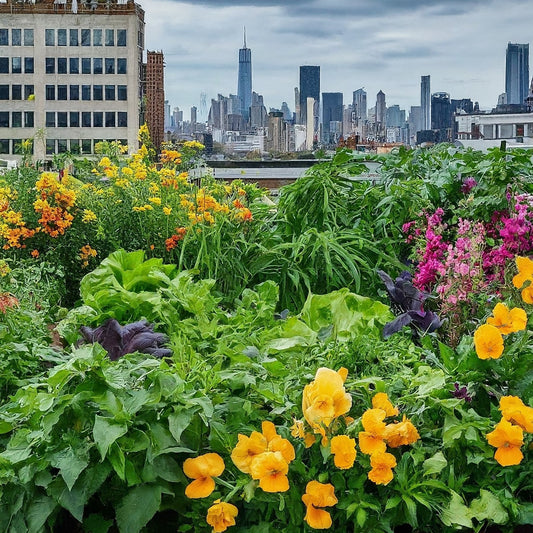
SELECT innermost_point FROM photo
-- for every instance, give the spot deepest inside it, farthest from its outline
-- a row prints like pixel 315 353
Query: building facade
pixel 309 88
pixel 244 88
pixel 516 73
pixel 155 97
pixel 332 112
pixel 425 102
pixel 70 75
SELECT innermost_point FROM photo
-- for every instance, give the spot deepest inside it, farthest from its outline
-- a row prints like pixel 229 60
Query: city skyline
pixel 461 45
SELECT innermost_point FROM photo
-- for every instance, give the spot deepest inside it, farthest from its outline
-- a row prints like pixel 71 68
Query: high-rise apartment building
pixel 71 70
pixel 425 102
pixel 441 111
pixel 517 73
pixel 244 88
pixel 360 105
pixel 309 88
pixel 332 107
pixel 381 114
pixel 155 96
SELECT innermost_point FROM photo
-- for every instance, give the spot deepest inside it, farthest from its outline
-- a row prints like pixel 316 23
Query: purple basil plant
pixel 409 301
pixel 119 340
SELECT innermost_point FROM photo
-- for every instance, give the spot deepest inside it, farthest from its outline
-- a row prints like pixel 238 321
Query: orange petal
pixel 317 518
pixel 200 488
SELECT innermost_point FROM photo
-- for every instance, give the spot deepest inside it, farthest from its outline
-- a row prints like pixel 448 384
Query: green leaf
pixel 488 507
pixel 70 464
pixel 105 432
pixel 38 512
pixel 179 421
pixel 435 464
pixel 95 523
pixel 457 513
pixel 137 508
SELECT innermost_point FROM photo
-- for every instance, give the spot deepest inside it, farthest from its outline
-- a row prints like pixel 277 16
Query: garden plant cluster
pixel 196 356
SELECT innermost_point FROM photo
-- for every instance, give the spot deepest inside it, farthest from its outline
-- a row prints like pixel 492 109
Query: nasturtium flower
pixel 221 515
pixel 508 439
pixel 488 342
pixel 381 401
pixel 508 321
pixel 343 450
pixel 248 448
pixel 382 465
pixel 514 411
pixel 401 433
pixel 271 469
pixel 202 470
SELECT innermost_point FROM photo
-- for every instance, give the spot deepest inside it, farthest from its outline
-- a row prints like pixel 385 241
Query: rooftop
pixel 62 7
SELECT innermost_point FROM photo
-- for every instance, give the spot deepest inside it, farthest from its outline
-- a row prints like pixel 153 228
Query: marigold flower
pixel 401 433
pixel 202 469
pixel 508 439
pixel 35 253
pixel 343 449
pixel 248 448
pixel 381 401
pixel 508 321
pixel 221 515
pixel 382 465
pixel 271 469
pixel 488 342
pixel 514 411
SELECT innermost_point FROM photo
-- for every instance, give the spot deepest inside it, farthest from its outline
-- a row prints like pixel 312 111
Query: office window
pixel 16 37
pixel 74 65
pixel 50 146
pixel 98 65
pixel 86 119
pixel 86 146
pixel 74 119
pixel 61 65
pixel 62 92
pixel 28 37
pixel 109 92
pixel 61 119
pixel 50 65
pixel 85 92
pixel 49 37
pixel 4 146
pixel 50 92
pixel 28 65
pixel 16 65
pixel 74 37
pixel 97 37
pixel 16 92
pixel 74 145
pixel 110 119
pixel 16 119
pixel 121 37
pixel 28 91
pixel 98 119
pixel 62 37
pixel 4 65
pixel 74 92
pixel 110 37
pixel 4 92
pixel 109 65
pixel 17 146
pixel 122 65
pixel 4 37
pixel 86 65
pixel 4 119
pixel 86 37
pixel 50 119
pixel 98 92
pixel 122 121
pixel 122 92
pixel 28 119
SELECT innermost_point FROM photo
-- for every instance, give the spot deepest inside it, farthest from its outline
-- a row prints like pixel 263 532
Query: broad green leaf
pixel 105 432
pixel 71 463
pixel 488 507
pixel 456 513
pixel 138 507
pixel 178 422
pixel 435 464
pixel 38 512
pixel 95 523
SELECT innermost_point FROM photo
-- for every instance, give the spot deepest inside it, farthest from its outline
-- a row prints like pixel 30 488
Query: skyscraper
pixel 244 89
pixel 155 96
pixel 332 104
pixel 309 87
pixel 517 73
pixel 441 111
pixel 359 105
pixel 381 114
pixel 425 102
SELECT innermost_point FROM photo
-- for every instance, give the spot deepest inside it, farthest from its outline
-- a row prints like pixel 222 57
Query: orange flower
pixel 343 448
pixel 7 301
pixel 371 444
pixel 247 449
pixel 276 443
pixel 514 411
pixel 401 433
pixel 508 321
pixel 271 469
pixel 35 253
pixel 527 294
pixel 317 518
pixel 202 469
pixel 371 440
pixel 221 515
pixel 318 495
pixel 381 401
pixel 508 439
pixel 488 342
pixel 525 271
pixel 382 465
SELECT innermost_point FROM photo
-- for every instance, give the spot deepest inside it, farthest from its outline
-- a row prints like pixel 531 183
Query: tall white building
pixel 70 74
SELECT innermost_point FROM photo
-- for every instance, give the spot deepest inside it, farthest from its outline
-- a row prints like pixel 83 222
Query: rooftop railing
pixel 83 7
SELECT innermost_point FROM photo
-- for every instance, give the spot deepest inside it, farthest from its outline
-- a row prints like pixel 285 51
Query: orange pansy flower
pixel 271 469
pixel 381 401
pixel 514 411
pixel 372 421
pixel 401 433
pixel 508 439
pixel 221 515
pixel 246 449
pixel 319 494
pixel 317 518
pixel 276 443
pixel 382 465
pixel 508 321
pixel 525 271
pixel 343 449
pixel 370 444
pixel 488 342
pixel 202 469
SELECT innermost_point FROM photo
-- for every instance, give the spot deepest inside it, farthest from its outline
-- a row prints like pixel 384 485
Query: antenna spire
pixel 244 36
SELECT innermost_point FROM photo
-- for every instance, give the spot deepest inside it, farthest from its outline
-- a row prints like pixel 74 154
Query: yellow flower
pixel 382 465
pixel 105 162
pixel 88 216
pixel 167 210
pixel 343 449
pixel 401 433
pixel 318 495
pixel 381 401
pixel 246 449
pixel 298 429
pixel 155 200
pixel 508 439
pixel 276 443
pixel 514 411
pixel 221 515
pixel 525 273
pixel 271 469
pixel 127 171
pixel 488 342
pixel 508 321
pixel 202 469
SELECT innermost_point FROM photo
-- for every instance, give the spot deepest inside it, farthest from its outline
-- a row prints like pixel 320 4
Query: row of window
pixel 85 37
pixel 16 65
pixel 18 37
pixel 88 92
pixel 57 146
pixel 66 119
pixel 95 65
pixel 16 119
pixel 16 92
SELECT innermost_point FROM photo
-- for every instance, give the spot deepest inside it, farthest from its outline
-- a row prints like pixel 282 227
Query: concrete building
pixel 71 70
pixel 244 88
pixel 360 105
pixel 155 97
pixel 277 140
pixel 309 87
pixel 425 102
pixel 381 116
pixel 516 73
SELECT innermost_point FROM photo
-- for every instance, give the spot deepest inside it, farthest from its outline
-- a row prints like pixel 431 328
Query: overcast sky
pixel 376 44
